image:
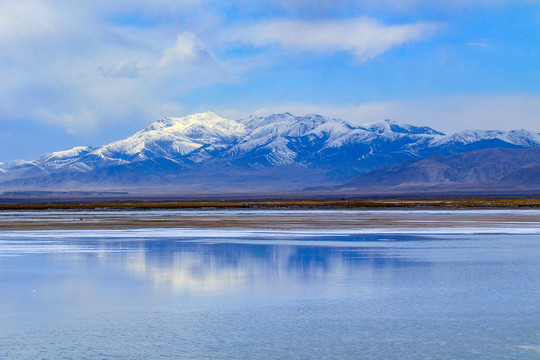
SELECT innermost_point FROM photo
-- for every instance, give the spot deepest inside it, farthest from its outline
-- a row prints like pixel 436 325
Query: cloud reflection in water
pixel 200 266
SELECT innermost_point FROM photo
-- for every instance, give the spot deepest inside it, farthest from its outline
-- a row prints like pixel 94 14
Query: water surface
pixel 258 294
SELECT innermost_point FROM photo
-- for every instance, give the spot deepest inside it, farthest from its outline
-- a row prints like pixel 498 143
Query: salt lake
pixel 351 284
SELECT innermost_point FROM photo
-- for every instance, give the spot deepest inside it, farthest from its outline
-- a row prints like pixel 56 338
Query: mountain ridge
pixel 486 168
pixel 313 148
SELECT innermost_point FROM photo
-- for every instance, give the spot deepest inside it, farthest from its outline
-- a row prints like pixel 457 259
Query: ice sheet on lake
pixel 182 233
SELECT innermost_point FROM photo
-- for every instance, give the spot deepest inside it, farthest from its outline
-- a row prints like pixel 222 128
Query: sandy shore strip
pixel 376 220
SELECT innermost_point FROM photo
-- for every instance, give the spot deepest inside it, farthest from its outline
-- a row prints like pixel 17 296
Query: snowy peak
pixel 387 126
pixel 252 122
pixel 274 139
pixel 196 125
pixel 288 125
pixel 172 137
pixel 63 159
pixel 522 138
pixel 66 154
pixel 380 127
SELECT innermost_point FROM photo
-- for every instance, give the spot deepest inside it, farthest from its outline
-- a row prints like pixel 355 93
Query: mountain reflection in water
pixel 211 266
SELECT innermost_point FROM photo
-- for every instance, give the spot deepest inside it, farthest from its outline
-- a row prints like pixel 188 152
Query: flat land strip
pixel 349 204
pixel 123 216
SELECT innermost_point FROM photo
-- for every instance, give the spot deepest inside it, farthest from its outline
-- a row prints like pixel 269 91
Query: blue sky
pixel 87 73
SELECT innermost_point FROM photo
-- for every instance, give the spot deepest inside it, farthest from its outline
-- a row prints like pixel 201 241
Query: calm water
pixel 210 294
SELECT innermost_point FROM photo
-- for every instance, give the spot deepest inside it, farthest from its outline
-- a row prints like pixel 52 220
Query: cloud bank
pixel 82 66
pixel 71 68
pixel 364 37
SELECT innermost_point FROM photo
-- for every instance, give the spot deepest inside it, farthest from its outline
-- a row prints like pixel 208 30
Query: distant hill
pixel 208 153
pixel 481 169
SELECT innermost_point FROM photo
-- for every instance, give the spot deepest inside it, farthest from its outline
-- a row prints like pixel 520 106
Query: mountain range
pixel 488 169
pixel 281 152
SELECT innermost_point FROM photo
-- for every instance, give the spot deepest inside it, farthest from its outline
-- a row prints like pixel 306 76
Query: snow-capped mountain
pixel 190 137
pixel 278 149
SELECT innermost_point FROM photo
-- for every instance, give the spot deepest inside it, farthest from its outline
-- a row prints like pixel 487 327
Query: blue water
pixel 271 295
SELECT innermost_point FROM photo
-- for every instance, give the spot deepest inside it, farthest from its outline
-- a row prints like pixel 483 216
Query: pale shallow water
pixel 252 294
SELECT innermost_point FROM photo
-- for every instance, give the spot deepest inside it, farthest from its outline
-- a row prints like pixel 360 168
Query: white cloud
pixel 68 66
pixel 74 123
pixel 188 48
pixel 448 114
pixel 124 69
pixel 394 5
pixel 363 37
pixel 26 20
pixel 167 7
pixel 86 65
pixel 317 5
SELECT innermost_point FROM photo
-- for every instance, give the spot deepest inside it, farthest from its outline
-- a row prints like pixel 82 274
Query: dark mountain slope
pixel 488 167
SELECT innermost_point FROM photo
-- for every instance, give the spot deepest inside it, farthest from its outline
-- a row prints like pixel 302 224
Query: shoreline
pixel 365 219
pixel 456 203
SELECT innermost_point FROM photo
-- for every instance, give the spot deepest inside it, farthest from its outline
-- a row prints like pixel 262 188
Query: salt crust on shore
pixel 241 224
pixel 264 234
